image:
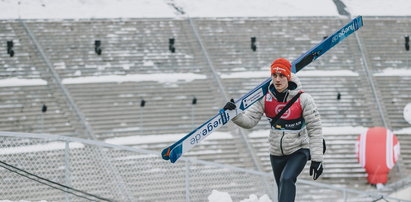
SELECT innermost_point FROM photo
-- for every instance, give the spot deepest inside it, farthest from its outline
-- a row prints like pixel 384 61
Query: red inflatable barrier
pixel 377 150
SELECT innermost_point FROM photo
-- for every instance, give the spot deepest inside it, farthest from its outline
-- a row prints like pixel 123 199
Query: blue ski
pixel 183 145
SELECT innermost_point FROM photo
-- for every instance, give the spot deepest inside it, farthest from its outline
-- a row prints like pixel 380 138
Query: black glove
pixel 316 168
pixel 230 105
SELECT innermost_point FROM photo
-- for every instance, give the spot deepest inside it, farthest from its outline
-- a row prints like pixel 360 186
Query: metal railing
pixel 146 175
pixel 370 78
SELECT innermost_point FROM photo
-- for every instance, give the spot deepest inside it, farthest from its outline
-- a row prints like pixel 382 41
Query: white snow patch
pixel 126 66
pixel 257 8
pixel 125 129
pixel 148 63
pixel 332 73
pixel 81 9
pixel 378 7
pixel 22 82
pixel 344 130
pixel 60 65
pixel 248 74
pixel 39 148
pixel 161 78
pixel 259 133
pixel 220 135
pixel 403 131
pixel 217 196
pixel 394 72
pixel 77 73
pixel 144 139
pixel 61 9
pixel 254 198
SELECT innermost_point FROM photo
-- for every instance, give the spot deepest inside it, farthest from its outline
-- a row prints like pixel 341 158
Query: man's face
pixel 280 81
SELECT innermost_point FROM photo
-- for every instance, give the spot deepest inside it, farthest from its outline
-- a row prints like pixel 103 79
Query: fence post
pixel 345 195
pixel 67 168
pixel 187 178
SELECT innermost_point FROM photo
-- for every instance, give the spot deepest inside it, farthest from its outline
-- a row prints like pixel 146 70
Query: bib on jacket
pixel 292 119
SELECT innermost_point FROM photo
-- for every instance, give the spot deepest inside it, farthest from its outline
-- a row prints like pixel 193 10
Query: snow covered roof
pixel 80 9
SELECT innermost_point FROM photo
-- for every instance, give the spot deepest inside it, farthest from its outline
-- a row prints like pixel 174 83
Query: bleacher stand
pixel 140 47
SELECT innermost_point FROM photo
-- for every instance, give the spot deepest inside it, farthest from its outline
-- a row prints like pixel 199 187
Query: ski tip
pixel 358 22
pixel 176 153
pixel 165 154
pixel 361 22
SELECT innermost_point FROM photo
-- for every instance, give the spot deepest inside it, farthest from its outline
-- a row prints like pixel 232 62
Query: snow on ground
pixel 256 8
pixel 379 7
pixel 80 9
pixel 59 9
pixel 51 146
pixel 130 140
pixel 22 82
pixel 217 196
pixel 161 78
pixel 254 198
pixel 394 72
pixel 403 131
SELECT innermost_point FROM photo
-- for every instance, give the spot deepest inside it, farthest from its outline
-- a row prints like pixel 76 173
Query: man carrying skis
pixel 295 137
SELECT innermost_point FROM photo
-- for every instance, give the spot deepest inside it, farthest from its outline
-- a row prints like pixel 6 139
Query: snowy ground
pixel 75 9
pixel 217 196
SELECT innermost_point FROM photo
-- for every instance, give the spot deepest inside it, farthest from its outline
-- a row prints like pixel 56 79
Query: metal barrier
pixel 73 162
pixel 370 79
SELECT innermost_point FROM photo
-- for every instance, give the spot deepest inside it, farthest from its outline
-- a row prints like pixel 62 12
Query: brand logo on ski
pixel 251 99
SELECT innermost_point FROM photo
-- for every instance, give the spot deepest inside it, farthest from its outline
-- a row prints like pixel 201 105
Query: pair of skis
pixel 176 150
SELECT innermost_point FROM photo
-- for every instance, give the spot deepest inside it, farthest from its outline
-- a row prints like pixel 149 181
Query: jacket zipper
pixel 281 144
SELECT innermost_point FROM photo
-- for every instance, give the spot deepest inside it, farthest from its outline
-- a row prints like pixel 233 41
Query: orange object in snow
pixel 377 150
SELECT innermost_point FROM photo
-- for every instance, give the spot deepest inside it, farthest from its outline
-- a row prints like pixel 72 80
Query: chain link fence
pixel 103 172
pixel 57 168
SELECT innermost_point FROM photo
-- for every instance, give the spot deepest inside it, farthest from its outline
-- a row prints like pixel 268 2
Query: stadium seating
pixel 26 86
pixel 141 47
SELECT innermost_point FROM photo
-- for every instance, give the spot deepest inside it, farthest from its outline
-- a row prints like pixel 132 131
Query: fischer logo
pixel 343 32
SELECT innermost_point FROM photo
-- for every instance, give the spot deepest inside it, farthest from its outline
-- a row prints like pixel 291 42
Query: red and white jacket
pixel 291 135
